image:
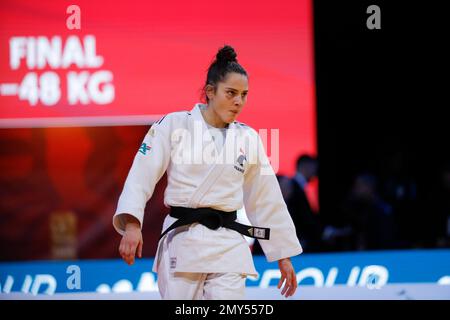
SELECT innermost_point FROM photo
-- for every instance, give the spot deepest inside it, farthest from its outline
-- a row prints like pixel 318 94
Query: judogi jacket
pixel 200 175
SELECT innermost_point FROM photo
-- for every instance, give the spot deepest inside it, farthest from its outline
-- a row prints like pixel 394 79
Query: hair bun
pixel 226 54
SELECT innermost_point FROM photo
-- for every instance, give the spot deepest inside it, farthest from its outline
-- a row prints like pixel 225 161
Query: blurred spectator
pixel 436 217
pixel 285 186
pixel 400 190
pixel 307 222
pixel 370 218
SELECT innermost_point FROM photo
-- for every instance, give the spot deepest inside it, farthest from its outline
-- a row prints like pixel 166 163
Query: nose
pixel 238 100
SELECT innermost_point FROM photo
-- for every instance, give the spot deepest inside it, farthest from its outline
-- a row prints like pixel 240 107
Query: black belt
pixel 214 219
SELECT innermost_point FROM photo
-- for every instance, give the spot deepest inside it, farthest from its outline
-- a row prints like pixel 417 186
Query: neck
pixel 212 118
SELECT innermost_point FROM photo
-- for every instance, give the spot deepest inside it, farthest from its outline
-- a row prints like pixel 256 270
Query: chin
pixel 228 120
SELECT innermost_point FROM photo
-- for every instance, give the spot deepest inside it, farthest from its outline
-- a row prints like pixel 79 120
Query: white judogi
pixel 200 175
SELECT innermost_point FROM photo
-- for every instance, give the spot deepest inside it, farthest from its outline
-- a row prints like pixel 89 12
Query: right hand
pixel 131 242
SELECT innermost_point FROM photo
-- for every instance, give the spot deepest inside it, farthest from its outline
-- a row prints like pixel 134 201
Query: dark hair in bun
pixel 225 55
pixel 224 63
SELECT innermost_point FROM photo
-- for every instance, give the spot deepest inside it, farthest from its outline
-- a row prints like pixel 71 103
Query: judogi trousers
pixel 198 286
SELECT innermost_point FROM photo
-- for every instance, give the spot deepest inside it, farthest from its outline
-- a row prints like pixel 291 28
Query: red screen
pixel 130 63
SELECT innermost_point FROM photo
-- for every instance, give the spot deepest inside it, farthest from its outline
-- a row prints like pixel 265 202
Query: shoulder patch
pixel 144 148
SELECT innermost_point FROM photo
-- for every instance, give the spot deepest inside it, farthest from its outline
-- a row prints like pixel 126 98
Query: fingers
pixel 139 249
pixel 290 285
pixel 127 250
pixel 293 287
pixel 126 255
pixel 131 250
pixel 287 285
pixel 281 281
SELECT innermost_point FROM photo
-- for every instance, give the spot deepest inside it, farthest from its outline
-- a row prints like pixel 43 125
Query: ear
pixel 210 91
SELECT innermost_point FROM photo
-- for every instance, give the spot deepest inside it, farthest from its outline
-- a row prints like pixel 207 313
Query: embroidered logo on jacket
pixel 144 148
pixel 240 161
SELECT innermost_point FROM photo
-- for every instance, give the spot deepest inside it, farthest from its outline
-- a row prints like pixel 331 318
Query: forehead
pixel 236 81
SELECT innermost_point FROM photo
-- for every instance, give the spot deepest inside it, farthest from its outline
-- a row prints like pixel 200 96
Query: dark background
pixel 379 97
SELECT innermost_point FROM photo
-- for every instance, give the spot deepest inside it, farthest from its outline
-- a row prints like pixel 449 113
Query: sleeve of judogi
pixel 266 208
pixel 148 167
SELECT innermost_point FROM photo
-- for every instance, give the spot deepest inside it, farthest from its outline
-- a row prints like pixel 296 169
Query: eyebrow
pixel 235 89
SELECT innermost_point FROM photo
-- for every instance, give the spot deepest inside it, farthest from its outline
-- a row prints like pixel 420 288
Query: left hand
pixel 288 275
